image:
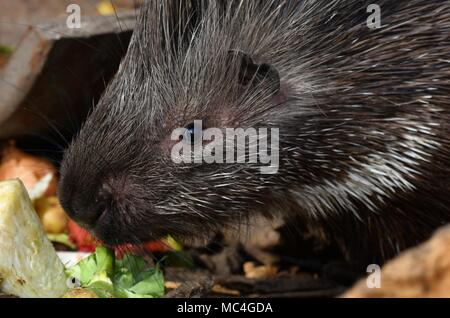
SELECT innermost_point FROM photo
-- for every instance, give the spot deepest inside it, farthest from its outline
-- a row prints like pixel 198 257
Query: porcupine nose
pixel 114 191
pixel 85 211
pixel 87 207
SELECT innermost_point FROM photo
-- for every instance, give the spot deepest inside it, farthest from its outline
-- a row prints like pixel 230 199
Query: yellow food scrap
pixel 257 272
pixel 105 7
pixel 172 285
pixel 80 293
pixel 52 214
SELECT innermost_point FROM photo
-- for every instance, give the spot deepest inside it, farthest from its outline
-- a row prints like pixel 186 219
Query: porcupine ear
pixel 251 73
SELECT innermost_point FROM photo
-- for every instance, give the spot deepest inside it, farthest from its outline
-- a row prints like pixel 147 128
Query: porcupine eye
pixel 190 134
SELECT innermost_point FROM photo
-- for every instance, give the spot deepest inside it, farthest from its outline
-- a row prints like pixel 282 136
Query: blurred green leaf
pixel 127 278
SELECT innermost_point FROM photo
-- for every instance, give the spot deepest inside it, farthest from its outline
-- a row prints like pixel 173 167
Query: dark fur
pixel 363 114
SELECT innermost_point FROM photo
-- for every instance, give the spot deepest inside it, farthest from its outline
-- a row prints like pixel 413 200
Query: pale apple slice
pixel 29 265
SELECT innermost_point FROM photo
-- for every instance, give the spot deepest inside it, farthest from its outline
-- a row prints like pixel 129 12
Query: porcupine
pixel 363 117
